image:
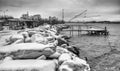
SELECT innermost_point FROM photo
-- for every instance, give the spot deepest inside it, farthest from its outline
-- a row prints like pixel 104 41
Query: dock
pixel 90 29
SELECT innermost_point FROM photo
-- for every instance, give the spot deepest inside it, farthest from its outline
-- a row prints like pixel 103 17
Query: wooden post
pixel 79 30
pixel 72 30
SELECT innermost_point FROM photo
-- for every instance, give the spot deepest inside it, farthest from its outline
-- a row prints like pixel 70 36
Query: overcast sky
pixel 105 9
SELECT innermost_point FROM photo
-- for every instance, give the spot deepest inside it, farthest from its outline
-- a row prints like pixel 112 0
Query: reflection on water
pixel 113 38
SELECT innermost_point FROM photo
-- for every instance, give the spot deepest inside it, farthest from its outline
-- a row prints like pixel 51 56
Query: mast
pixel 62 14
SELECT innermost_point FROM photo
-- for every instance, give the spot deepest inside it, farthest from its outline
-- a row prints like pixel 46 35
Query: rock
pixel 66 37
pixel 64 57
pixel 13 39
pixel 43 57
pixel 7 58
pixel 62 41
pixel 28 40
pixel 64 45
pixel 61 50
pixel 2 55
pixel 24 33
pixel 32 54
pixel 55 55
pixel 25 46
pixel 39 39
pixel 31 32
pixel 29 65
pixel 74 50
pixel 74 65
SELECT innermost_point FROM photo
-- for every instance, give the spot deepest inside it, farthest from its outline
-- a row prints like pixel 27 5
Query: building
pixel 36 17
pixel 1 24
pixel 16 24
pixel 25 16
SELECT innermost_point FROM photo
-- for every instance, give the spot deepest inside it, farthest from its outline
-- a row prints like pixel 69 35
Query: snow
pixel 24 46
pixel 39 65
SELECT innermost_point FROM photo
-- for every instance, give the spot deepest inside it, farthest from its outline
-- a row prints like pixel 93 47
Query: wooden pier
pixel 90 29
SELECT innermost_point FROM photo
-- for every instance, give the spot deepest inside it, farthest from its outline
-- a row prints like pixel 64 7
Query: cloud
pixel 107 2
pixel 11 3
pixel 54 7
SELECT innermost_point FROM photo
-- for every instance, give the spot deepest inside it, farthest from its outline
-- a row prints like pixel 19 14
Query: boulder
pixel 43 57
pixel 28 65
pixel 74 65
pixel 62 41
pixel 7 58
pixel 74 50
pixel 61 50
pixel 33 55
pixel 39 39
pixel 16 38
pixel 25 46
pixel 64 45
pixel 31 32
pixel 64 57
pixel 55 55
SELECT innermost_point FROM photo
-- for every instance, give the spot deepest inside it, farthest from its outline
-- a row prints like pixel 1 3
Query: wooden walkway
pixel 90 29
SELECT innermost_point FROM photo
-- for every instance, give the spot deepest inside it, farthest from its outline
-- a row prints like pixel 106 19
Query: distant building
pixel 36 17
pixel 16 24
pixel 1 24
pixel 6 17
pixel 25 16
pixel 53 20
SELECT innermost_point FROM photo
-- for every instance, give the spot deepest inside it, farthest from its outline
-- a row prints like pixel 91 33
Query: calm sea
pixel 112 39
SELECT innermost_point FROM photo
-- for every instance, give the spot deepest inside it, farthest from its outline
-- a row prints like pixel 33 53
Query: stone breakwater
pixel 39 49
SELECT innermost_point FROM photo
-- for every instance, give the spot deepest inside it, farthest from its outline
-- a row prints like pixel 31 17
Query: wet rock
pixel 74 50
pixel 62 41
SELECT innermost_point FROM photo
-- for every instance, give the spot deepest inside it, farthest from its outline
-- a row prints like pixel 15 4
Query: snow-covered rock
pixel 29 65
pixel 25 46
pixel 64 57
pixel 76 64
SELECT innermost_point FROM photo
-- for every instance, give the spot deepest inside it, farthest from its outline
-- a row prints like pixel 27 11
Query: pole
pixel 1 12
pixel 62 15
